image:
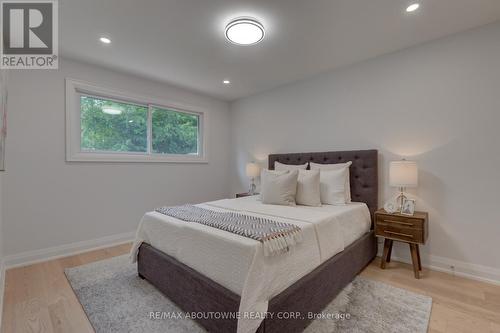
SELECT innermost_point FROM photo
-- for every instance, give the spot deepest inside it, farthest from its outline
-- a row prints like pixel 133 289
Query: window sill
pixel 134 158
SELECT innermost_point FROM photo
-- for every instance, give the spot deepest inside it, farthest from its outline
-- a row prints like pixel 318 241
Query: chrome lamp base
pixel 252 188
pixel 401 198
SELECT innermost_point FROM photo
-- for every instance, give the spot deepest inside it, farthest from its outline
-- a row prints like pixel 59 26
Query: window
pixel 111 126
pixel 107 126
pixel 174 132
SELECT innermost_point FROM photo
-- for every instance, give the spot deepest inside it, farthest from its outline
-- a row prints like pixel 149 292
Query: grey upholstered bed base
pixel 193 292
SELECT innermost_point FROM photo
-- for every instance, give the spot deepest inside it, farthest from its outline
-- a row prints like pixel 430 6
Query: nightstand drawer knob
pixel 400 222
pixel 398 234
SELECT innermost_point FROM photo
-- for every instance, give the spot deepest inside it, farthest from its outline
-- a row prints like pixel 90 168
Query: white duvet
pixel 238 263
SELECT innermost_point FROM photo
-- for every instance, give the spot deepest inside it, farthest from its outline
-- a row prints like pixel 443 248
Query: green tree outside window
pixel 112 126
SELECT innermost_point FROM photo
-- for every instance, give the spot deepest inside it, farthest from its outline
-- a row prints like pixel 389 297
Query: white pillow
pixel 279 187
pixel 332 186
pixel 308 188
pixel 337 166
pixel 280 166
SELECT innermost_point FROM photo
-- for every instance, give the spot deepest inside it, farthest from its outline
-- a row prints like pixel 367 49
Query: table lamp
pixel 252 171
pixel 403 174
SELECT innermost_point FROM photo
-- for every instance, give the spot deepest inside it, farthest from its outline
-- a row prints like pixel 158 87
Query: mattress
pixel 238 263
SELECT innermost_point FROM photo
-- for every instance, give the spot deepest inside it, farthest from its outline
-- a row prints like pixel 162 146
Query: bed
pixel 207 270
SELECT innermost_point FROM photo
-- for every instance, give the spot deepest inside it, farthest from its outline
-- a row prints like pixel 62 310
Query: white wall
pixel 437 103
pixel 4 82
pixel 1 225
pixel 49 202
pixel 2 272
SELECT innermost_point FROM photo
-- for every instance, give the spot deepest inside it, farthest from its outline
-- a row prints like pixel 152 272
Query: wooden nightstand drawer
pixel 407 222
pixel 396 232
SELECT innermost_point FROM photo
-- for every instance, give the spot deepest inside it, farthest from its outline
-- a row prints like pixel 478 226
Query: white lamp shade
pixel 253 170
pixel 403 174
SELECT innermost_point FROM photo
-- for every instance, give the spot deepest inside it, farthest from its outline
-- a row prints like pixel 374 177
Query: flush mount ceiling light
pixel 111 111
pixel 105 40
pixel 413 7
pixel 245 31
pixel 226 82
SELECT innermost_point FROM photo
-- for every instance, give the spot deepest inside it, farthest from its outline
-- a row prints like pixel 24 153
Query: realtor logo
pixel 29 34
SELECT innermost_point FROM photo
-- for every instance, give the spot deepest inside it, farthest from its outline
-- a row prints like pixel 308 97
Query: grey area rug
pixel 115 299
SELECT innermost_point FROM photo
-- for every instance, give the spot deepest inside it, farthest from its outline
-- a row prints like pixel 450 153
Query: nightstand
pixel 241 195
pixel 402 228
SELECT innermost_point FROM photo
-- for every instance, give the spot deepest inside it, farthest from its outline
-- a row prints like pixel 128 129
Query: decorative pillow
pixel 332 186
pixel 280 166
pixel 308 188
pixel 337 166
pixel 279 187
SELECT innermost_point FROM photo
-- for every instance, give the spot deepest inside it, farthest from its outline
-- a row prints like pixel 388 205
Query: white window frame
pixel 74 153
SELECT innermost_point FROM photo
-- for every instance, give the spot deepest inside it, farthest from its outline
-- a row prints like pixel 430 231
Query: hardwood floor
pixel 458 304
pixel 38 298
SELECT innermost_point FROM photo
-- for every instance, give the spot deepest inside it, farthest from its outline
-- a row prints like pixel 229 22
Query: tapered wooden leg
pixel 418 255
pixel 385 253
pixel 390 251
pixel 414 259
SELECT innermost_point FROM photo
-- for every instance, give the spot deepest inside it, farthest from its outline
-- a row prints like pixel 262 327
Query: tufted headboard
pixel 363 171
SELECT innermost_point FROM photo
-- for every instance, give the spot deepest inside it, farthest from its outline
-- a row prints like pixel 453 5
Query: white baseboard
pixel 452 266
pixel 31 257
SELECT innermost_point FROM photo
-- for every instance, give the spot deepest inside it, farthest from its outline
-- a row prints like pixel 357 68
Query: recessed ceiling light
pixel 226 82
pixel 105 40
pixel 413 7
pixel 245 31
pixel 112 111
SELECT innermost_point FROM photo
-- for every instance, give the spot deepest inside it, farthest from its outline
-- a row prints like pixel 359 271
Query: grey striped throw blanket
pixel 276 237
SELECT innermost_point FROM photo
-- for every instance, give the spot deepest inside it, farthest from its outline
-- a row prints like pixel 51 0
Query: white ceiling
pixel 182 41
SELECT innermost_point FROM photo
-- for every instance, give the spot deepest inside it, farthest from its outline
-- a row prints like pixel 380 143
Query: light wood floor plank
pixel 38 298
